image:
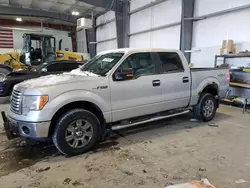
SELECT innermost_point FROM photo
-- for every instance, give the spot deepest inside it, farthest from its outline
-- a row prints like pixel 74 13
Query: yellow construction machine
pixel 37 48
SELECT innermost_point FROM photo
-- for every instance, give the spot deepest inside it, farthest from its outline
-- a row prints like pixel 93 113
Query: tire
pixel 205 110
pixel 66 127
pixel 4 72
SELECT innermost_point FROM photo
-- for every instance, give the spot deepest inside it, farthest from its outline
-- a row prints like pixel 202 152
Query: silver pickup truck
pixel 116 89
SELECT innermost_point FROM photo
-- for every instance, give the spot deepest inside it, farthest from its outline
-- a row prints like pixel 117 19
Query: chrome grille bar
pixel 15 105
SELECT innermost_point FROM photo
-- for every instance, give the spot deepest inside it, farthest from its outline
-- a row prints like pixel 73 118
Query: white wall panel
pixel 203 7
pixel 105 17
pixel 166 12
pixel 209 33
pixel 158 15
pixel 166 38
pixel 6 50
pixel 135 4
pixel 140 40
pixel 161 14
pixel 140 21
pixel 108 45
pixel 81 41
pixel 105 32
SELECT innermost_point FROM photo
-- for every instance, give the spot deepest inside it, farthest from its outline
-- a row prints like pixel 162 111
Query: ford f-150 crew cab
pixel 116 89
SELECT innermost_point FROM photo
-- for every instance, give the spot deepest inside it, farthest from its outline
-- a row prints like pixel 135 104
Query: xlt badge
pixel 101 87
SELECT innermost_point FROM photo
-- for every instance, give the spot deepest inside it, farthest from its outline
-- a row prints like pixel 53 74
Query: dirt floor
pixel 153 155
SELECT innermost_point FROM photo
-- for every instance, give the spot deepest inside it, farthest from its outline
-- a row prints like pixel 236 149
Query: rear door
pixel 141 93
pixel 175 81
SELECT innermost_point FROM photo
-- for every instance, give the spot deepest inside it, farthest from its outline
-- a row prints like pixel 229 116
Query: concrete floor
pixel 152 155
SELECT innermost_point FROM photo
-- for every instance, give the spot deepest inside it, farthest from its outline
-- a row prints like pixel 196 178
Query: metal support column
pixel 122 23
pixel 187 27
pixel 91 38
pixel 73 39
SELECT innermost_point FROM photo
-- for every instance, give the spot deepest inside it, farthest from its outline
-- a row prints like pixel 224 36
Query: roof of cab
pixel 134 50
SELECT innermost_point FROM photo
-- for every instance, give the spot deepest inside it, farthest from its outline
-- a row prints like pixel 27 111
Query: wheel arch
pixel 211 88
pixel 86 105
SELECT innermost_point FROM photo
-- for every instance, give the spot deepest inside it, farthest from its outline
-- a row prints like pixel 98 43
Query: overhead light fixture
pixel 75 13
pixel 19 19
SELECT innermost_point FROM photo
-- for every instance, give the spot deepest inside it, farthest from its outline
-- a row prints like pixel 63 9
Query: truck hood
pixel 59 79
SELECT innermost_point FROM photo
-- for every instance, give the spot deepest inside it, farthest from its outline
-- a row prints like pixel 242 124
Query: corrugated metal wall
pixel 106 32
pixel 209 33
pixel 147 27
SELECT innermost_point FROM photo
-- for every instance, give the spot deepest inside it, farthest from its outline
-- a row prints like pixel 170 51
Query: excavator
pixel 37 49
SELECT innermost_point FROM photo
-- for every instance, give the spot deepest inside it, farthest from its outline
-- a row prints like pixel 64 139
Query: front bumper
pixel 35 130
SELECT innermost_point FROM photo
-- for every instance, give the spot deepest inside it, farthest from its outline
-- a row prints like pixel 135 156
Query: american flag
pixel 6 38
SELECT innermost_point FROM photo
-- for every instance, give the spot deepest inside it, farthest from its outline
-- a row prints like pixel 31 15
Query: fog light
pixel 25 130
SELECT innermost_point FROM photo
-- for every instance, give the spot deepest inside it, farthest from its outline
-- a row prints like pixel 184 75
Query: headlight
pixel 32 103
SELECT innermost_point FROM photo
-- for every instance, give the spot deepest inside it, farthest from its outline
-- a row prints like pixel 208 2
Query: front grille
pixel 16 98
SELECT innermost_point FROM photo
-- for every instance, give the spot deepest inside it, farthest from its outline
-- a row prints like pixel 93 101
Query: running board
pixel 117 127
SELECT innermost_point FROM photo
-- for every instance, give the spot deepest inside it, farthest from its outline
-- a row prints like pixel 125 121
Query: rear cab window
pixel 170 61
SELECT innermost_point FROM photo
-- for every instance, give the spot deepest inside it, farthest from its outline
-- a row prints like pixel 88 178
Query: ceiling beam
pixel 107 4
pixel 5 10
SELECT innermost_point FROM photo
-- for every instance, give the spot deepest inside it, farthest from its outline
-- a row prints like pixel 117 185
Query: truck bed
pixel 216 76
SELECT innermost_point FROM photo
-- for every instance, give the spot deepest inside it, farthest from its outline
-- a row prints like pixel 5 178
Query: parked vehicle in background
pixel 53 67
pixel 116 89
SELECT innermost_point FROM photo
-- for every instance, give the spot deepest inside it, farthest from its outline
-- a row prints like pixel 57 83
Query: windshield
pixel 102 64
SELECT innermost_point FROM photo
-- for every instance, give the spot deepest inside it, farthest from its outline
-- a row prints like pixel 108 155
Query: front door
pixel 137 92
pixel 175 81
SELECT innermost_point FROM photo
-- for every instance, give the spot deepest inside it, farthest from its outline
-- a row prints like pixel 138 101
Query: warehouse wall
pixel 165 13
pixel 18 40
pixel 106 34
pixel 209 33
pixel 81 41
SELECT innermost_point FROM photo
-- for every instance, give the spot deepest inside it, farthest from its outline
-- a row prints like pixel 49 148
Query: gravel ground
pixel 165 152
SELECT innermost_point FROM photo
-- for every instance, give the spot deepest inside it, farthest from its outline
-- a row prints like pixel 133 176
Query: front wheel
pixel 205 110
pixel 76 132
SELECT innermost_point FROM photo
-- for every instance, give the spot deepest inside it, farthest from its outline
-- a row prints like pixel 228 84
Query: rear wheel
pixel 76 132
pixel 205 110
pixel 3 73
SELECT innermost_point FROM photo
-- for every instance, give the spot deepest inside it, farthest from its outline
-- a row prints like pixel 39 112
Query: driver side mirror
pixel 124 74
pixel 44 70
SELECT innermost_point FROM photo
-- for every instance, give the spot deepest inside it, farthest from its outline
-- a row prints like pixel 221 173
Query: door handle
pixel 156 83
pixel 185 79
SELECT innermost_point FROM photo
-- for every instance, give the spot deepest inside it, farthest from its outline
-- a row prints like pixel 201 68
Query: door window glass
pixel 171 62
pixel 140 63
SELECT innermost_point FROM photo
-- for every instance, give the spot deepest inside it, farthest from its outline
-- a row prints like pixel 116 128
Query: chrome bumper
pixel 36 130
